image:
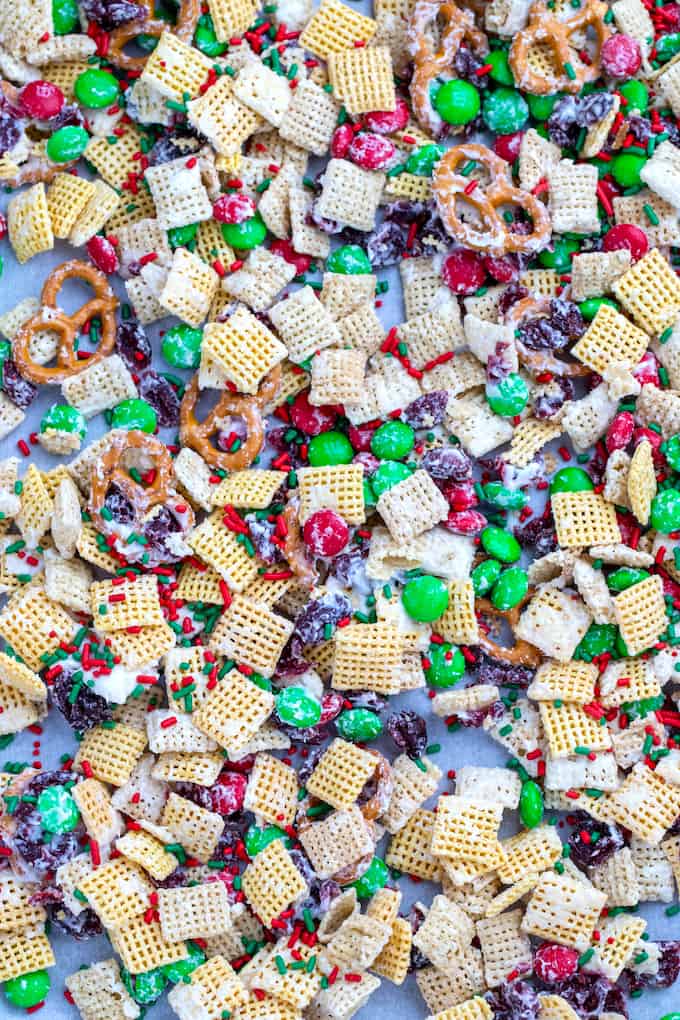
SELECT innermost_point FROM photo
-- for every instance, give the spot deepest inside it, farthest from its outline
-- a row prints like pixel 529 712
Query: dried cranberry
pixel 508 146
pixel 620 432
pixel 310 419
pixel 42 99
pixel 620 56
pixel 566 317
pixel 586 851
pixel 133 345
pixel 386 122
pixel 162 396
pixel 119 506
pixel 244 764
pixel 233 832
pixel 328 609
pixel 228 793
pixel 465 522
pixel 371 152
pixel 10 132
pixel 553 963
pixel 590 994
pixel 463 271
pixel 166 149
pixel 234 208
pixel 503 268
pixel 447 462
pixel 103 254
pixel 109 14
pixel 513 293
pixel 325 533
pixel 70 115
pixel 539 532
pixel 196 794
pixel 427 411
pixel 669 965
pixel 563 123
pixel 157 531
pixel 516 1001
pixel 386 245
pixel 85 925
pixel 343 136
pixel 626 236
pixel 550 401
pixel 88 709
pixel 541 335
pixel 502 674
pixel 262 533
pixel 286 250
pixel 408 731
pixel 348 568
pixel 18 389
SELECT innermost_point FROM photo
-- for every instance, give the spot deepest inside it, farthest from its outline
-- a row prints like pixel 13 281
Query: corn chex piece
pixel 593 273
pixel 169 730
pixel 412 787
pixel 628 680
pixel 214 989
pixel 618 878
pixel 142 848
pixel 529 852
pixel 467 830
pixel 563 910
pixel 21 954
pixel 188 767
pixel 641 614
pixel 412 506
pixel 33 519
pixel 173 68
pixel 409 848
pixel 102 821
pixel 231 17
pixel 111 752
pixel 217 545
pixel 357 942
pixel 28 223
pixel 18 711
pixel 368 656
pixel 554 623
pixel 144 647
pixel 263 91
pixel 458 623
pixel 16 674
pixel 650 292
pixel 335 27
pixel 252 634
pixel 98 992
pixel 271 882
pixel 337 841
pixel 618 938
pixel 195 828
pixel 554 1007
pixel 141 946
pixel 504 946
pixel 33 625
pixel 117 891
pixel 116 606
pixel 189 288
pixel 641 482
pixel 610 338
pixel 304 324
pixel 568 727
pixel 67 196
pixel 178 194
pixel 474 1009
pixel 115 160
pixel 643 803
pixel 192 912
pixel 337 486
pixel 569 681
pixel 510 896
pixel 272 790
pixel 341 773
pixel 98 211
pixel 224 121
pixel 584 519
pixel 342 296
pixel 350 195
pixel 392 962
pixel 249 489
pixel 243 348
pixel 234 711
pixel 259 279
pixel 310 119
pixel 100 386
pixel 16 912
pixel 445 932
pixel 363 79
pixel 337 376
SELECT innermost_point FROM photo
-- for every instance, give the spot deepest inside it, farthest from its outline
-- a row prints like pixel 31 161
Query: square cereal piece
pixel 554 1007
pixel 362 329
pixel 477 427
pixel 568 728
pixel 499 785
pixel 178 193
pixel 231 17
pixel 617 877
pixel 409 849
pixel 67 197
pixel 631 209
pixel 337 376
pixel 100 387
pixel 594 273
pixel 305 237
pixel 573 198
pixel 234 711
pixel 341 296
pixel 248 489
pixel 115 160
pixel 644 803
pixel 272 791
pixel 459 623
pixel 18 711
pixel 263 91
pixel 563 910
pixel 141 946
pixel 101 820
pixel 148 852
pixel 554 623
pixel 610 338
pixel 619 938
pixel 28 223
pixel 110 752
pixel 337 841
pixel 244 349
pixel 119 604
pixel 650 292
pixel 217 546
pixel 538 157
pixel 357 942
pixel 11 416
pixel 628 680
pixel 412 506
pixel 252 634
pixel 584 519
pixel 171 730
pixel 117 891
pixel 393 960
pixel 21 953
pixel 189 288
pixel 338 486
pixel 363 78
pixel 369 656
pixel 446 932
pixel 662 172
pixel 660 407
pixel 310 119
pixel 446 991
pixel 259 280
pixel 142 797
pixel 224 121
pixel 641 614
pixel 335 27
pixel 211 247
pixel 192 475
pixel 529 852
pixel 586 420
pixel 504 946
pixel 349 194
pixel 271 882
pixel 98 993
pixel 214 988
pixel 199 585
pixel 17 913
pixel 146 646
pixel 33 519
pixel 16 674
pixel 33 625
pixel 467 830
pixel 174 68
pixel 194 912
pixel 341 999
pixel 304 324
pixel 412 787
pixel 570 681
pixel 144 291
pixel 188 767
pixel 196 829
pixel 341 773
pixel 654 870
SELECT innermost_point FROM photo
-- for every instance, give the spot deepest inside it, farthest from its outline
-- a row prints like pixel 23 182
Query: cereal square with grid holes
pixel 271 882
pixel 252 634
pixel 350 195
pixel 213 990
pixel 563 910
pixel 178 193
pixel 412 506
pixel 189 288
pixel 244 349
pixel 234 711
pixel 311 118
pixel 341 774
pixel 650 292
pixel 304 324
pixel 262 90
pixel 98 993
pixel 272 790
pixel 363 79
pixel 175 69
pixel 194 912
pixel 195 828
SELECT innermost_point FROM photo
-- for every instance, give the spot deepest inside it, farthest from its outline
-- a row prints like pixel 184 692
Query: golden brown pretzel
pixel 102 305
pixel 294 548
pixel 540 361
pixel 546 32
pixel 522 653
pixel 491 234
pixel 378 803
pixel 197 434
pixel 189 12
pixel 110 470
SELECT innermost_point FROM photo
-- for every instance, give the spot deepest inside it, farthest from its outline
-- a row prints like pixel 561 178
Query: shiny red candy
pixel 461 495
pixel 103 254
pixel 243 764
pixel 387 122
pixel 504 268
pixel 465 522
pixel 620 56
pixel 463 271
pixel 325 533
pixel 647 370
pixel 507 146
pixel 42 99
pixel 309 419
pixel 234 208
pixel 627 235
pixel 343 137
pixel 620 432
pixel 371 152
pixel 286 250
pixel 554 963
pixel 332 705
pixel 228 793
pixel 360 437
pixel 671 16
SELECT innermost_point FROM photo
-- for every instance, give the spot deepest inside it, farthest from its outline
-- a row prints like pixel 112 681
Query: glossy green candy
pixel 350 260
pixel 510 588
pixel 590 307
pixel 505 111
pixel 425 598
pixel 65 16
pixel 297 708
pixel 329 448
pixel 358 725
pixel 244 236
pixel 571 479
pixel 257 839
pixel 637 94
pixel 457 102
pixel 665 512
pixel 484 576
pixel 179 237
pixel 263 682
pixel 531 804
pixel 447 665
pixel 181 968
pixel 508 397
pixel 500 544
pixel 540 107
pixel 5 353
pixel 422 161
pixel 387 475
pixel 28 989
pixel 393 440
pixel 599 638
pixel 507 499
pixel 181 346
pixel 147 987
pixel 374 878
pixel 369 495
pixel 501 68
pixel 670 450
pixel 625 577
pixel 667 46
pixel 560 257
pixel 134 414
pixel 625 169
pixel 205 39
pixel 671 1016
pixel 96 89
pixel 67 143
pixel 58 811
pixel 64 418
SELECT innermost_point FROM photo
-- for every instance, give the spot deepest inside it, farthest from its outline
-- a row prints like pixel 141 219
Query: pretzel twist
pixel 294 548
pixel 109 470
pixel 540 361
pixel 189 12
pixel 522 653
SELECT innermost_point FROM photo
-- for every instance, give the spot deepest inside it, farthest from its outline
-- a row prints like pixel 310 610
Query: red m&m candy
pixel 325 533
pixel 234 208
pixel 627 235
pixel 371 152
pixel 620 56
pixel 507 146
pixel 42 99
pixel 286 250
pixel 463 271
pixel 343 136
pixel 387 122
pixel 103 254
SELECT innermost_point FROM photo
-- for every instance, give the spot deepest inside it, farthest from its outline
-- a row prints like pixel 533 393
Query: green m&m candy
pixel 329 448
pixel 422 161
pixel 590 307
pixel 507 499
pixel 374 878
pixel 58 811
pixel 505 111
pixel 369 495
pixel 358 725
pixel 393 440
pixel 510 588
pixel 178 970
pixel 67 143
pixel 27 990
pixel 350 260
pixel 560 257
pixel 637 94
pixel 295 706
pixel 571 479
pixel 134 414
pixel 205 39
pixel 626 167
pixel 146 987
pixel 425 598
pixel 667 46
pixel 540 107
pixel 457 101
pixel 665 512
pixel 181 346
pixel 599 638
pixel 257 839
pixel 96 89
pixel 65 16
pixel 447 665
pixel 484 576
pixel 509 396
pixel 531 804
pixel 671 1016
pixel 64 418
pixel 180 237
pixel 246 235
pixel 500 71
pixel 500 544
pixel 387 475
pixel 625 577
pixel 670 450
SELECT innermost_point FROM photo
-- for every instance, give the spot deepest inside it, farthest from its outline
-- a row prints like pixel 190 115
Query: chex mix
pixel 301 533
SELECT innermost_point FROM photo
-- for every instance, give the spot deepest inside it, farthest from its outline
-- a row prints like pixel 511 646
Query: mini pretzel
pixel 546 32
pixel 490 233
pixel 522 653
pixel 197 434
pixel 109 470
pixel 540 361
pixel 459 26
pixel 187 18
pixel 377 805
pixel 51 318
pixel 294 549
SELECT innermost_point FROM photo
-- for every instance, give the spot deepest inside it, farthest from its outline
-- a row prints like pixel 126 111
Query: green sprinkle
pixel 421 765
pixel 586 957
pixel 569 71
